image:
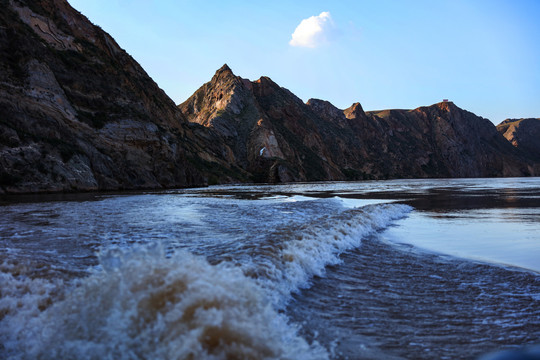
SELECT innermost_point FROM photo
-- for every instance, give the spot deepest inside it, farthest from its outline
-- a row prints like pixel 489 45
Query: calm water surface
pixel 405 269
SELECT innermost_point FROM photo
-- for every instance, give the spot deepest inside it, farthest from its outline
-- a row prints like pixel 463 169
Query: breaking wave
pixel 317 245
pixel 142 303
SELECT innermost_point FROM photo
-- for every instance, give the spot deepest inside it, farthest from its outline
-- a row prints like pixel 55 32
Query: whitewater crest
pixel 145 302
pixel 317 245
pixel 145 305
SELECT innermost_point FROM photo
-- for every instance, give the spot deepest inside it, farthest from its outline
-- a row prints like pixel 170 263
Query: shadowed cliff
pixel 78 113
pixel 524 134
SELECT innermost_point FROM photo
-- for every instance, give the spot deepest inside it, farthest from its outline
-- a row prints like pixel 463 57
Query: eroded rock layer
pixel 274 135
pixel 78 113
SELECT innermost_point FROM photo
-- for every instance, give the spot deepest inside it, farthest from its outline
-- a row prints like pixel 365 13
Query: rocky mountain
pixel 269 132
pixel 443 140
pixel 524 134
pixel 274 135
pixel 78 113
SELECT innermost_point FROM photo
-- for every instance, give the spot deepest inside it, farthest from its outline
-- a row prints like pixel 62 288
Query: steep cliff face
pixel 266 126
pixel 78 113
pixel 524 134
pixel 226 106
pixel 270 132
pixel 443 140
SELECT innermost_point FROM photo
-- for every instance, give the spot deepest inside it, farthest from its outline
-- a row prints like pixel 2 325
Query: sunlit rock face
pixel 272 133
pixel 268 128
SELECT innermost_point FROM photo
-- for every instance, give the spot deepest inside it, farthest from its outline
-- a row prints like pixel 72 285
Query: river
pixel 398 269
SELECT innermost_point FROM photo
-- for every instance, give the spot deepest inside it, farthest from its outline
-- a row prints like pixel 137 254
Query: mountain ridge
pixel 440 140
pixel 77 113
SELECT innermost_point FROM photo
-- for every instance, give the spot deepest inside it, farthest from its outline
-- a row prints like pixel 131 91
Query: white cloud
pixel 312 31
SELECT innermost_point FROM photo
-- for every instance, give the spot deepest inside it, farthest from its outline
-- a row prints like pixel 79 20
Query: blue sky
pixel 483 55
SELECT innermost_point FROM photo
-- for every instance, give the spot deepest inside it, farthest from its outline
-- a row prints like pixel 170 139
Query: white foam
pixel 144 305
pixel 22 300
pixel 140 303
pixel 352 203
pixel 318 245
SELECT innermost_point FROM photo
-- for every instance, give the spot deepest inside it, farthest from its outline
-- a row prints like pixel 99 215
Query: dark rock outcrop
pixel 524 134
pixel 78 113
pixel 443 140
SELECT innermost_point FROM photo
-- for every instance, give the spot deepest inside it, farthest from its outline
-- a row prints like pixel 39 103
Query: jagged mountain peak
pixel 320 103
pixel 266 82
pixel 225 93
pixel 443 108
pixel 518 121
pixel 325 109
pixel 225 68
pixel 224 72
pixel 264 79
pixel 355 111
pixel 224 76
pixel 447 106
